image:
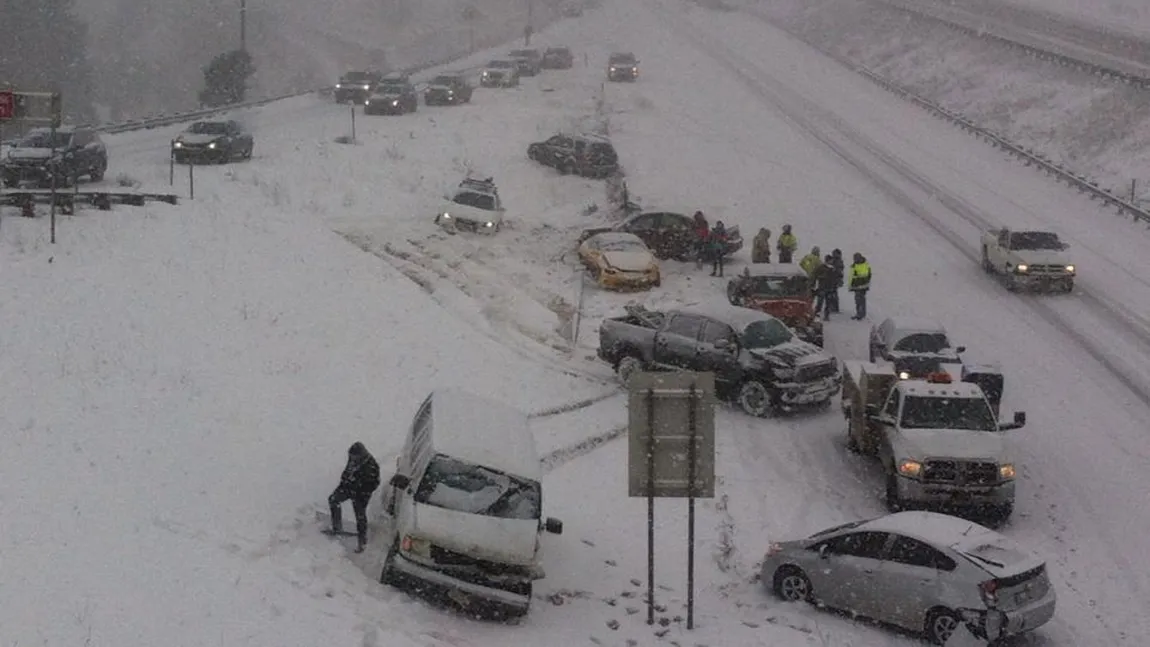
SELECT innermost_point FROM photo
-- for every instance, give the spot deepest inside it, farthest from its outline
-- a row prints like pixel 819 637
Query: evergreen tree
pixel 226 78
pixel 45 49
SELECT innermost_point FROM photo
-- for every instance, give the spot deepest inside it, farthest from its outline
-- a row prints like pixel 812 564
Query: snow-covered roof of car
pixel 775 269
pixel 932 527
pixel 484 431
pixel 733 315
pixel 954 389
pixel 903 325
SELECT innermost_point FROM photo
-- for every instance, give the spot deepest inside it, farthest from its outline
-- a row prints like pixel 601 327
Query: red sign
pixel 7 104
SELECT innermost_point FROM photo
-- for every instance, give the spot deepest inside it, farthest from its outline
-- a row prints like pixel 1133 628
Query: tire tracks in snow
pixel 830 131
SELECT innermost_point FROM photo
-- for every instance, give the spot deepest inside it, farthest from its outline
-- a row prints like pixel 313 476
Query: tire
pixel 940 625
pixel 872 355
pixel 732 294
pixel 791 584
pixel 755 399
pixel 893 501
pixel 1068 286
pixel 96 173
pixel 627 366
pixel 387 574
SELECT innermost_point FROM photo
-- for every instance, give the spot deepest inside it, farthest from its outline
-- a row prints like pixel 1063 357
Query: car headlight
pixel 1021 267
pixel 489 224
pixel 614 69
pixel 367 87
pixel 445 215
pixel 1006 471
pixel 486 73
pixel 910 468
pixel 1070 268
pixel 338 86
pixel 416 546
pixel 212 145
pixel 904 375
pixel 774 549
pixel 178 145
pixel 395 102
pixel 450 92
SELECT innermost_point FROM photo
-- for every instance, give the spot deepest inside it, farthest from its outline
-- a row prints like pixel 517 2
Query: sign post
pixel 38 108
pixel 671 454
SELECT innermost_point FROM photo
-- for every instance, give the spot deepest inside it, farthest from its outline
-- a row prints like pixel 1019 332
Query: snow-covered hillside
pixel 1097 127
pixel 1126 16
pixel 181 383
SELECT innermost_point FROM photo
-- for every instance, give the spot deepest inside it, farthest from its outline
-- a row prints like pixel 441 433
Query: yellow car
pixel 618 260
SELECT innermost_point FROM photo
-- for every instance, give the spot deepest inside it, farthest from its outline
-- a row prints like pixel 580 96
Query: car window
pixel 684 325
pixel 477 200
pixel 645 221
pixel 923 342
pixel 913 552
pixel 858 544
pixel 674 221
pixel 714 331
pixel 766 334
pixel 892 403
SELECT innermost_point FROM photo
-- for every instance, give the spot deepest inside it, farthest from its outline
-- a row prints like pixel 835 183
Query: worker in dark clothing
pixel 824 280
pixel 359 481
pixel 859 284
pixel 840 271
pixel 701 231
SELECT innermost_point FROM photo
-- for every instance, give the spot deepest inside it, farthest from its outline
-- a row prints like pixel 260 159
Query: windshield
pixel 972 414
pixel 623 246
pixel 523 53
pixel 501 64
pixel 923 342
pixel 356 77
pixel 209 128
pixel 42 138
pixel 622 60
pixel 394 87
pixel 454 485
pixel 1035 240
pixel 845 526
pixel 558 51
pixel 778 286
pixel 477 200
pixel 766 334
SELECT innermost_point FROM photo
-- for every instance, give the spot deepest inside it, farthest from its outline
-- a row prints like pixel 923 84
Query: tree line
pixel 44 48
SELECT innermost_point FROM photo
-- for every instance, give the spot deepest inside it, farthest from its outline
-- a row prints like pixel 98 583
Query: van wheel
pixel 388 575
pixel 627 366
pixel 940 625
pixel 792 585
pixel 755 399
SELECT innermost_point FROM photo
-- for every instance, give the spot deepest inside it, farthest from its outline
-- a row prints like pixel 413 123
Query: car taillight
pixel 774 549
pixel 989 590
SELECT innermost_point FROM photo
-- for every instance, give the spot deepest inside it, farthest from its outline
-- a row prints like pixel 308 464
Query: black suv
pixel 354 87
pixel 394 96
pixel 213 141
pixel 448 89
pixel 583 154
pixel 79 151
pixel 622 66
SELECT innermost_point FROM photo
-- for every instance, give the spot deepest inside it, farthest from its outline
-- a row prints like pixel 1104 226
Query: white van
pixel 466 501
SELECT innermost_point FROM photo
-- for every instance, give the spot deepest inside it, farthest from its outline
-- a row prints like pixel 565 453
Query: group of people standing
pixel 828 273
pixel 710 243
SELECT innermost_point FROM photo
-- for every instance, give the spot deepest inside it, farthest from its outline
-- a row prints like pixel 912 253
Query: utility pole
pixel 243 25
pixel 527 30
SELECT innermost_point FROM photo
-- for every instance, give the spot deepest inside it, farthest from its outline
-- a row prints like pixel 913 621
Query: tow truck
pixel 938 439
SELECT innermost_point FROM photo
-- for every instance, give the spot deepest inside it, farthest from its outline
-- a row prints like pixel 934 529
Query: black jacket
pixel 826 279
pixel 840 270
pixel 361 476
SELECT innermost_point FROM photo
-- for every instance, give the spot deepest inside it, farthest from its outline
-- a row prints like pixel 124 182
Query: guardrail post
pixel 191 180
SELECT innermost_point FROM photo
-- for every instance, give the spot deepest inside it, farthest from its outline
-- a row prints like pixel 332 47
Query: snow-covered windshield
pixel 477 200
pixel 1035 241
pixel 972 414
pixel 766 334
pixel 209 128
pixel 392 87
pixel 777 286
pixel 443 80
pixel 923 342
pixel 455 485
pixel 501 64
pixel 623 245
pixel 622 59
pixel 42 138
pixel 357 77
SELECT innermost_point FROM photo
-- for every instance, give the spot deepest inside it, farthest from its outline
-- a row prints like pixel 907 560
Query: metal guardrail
pixel 1137 80
pixel 1028 156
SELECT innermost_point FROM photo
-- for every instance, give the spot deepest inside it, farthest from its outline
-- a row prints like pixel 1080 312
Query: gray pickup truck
pixel 757 361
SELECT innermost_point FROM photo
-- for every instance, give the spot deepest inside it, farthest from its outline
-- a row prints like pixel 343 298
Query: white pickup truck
pixel 939 441
pixel 1028 259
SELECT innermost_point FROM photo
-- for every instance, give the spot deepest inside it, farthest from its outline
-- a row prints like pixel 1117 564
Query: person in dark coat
pixel 840 273
pixel 717 247
pixel 823 278
pixel 359 481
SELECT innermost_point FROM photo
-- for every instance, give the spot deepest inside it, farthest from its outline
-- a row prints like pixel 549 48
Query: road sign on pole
pixel 671 455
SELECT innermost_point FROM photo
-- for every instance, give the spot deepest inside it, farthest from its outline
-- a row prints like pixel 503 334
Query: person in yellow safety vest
pixel 859 282
pixel 786 244
pixel 811 262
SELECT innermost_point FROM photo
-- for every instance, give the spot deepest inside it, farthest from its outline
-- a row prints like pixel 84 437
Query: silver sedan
pixel 923 571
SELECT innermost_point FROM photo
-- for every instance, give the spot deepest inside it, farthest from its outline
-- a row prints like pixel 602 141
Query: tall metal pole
pixel 692 467
pixel 650 506
pixel 243 25
pixel 55 171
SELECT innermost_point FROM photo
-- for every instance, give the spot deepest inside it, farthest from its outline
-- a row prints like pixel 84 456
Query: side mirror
pixel 960 349
pixel 553 526
pixel 400 482
pixel 1018 423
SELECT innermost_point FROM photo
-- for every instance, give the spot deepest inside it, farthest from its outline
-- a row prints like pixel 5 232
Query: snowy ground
pixel 198 371
pixel 1097 127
